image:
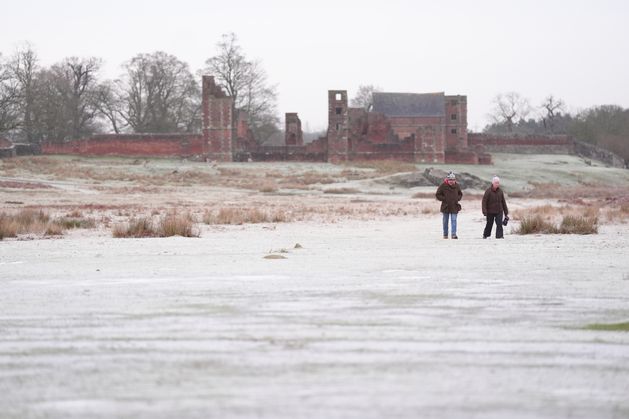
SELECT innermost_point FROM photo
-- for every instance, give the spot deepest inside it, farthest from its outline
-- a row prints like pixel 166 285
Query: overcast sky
pixel 576 50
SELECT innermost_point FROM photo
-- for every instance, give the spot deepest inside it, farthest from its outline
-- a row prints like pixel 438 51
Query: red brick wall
pixel 145 145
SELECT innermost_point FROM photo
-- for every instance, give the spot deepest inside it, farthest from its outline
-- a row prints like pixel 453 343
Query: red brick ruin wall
pixel 145 145
pixel 353 134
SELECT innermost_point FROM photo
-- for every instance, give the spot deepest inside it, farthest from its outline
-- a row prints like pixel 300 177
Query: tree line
pixel 155 93
pixel 605 125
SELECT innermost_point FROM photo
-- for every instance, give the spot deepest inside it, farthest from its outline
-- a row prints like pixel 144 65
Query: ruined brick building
pixel 402 126
pixel 412 127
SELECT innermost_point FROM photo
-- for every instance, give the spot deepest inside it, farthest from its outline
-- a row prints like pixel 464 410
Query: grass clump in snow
pixel 610 327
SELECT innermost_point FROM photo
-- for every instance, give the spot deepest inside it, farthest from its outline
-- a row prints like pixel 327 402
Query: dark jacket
pixel 494 202
pixel 449 197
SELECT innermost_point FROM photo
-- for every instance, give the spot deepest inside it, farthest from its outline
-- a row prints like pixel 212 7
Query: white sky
pixel 577 50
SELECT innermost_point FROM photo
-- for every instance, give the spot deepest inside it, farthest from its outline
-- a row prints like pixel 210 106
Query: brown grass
pixel 136 227
pixel 570 224
pixel 177 225
pixel 31 221
pixel 578 225
pixel 554 213
pixel 536 224
pixel 238 216
pixel 341 191
pixel 167 226
pixel 268 187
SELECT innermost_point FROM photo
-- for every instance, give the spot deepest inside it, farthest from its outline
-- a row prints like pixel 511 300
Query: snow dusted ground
pixel 370 319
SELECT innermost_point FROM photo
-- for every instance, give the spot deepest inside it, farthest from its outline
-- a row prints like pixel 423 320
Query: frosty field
pixel 373 315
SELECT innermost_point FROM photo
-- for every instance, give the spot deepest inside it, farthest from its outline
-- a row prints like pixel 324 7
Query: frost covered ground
pixel 369 319
pixel 373 315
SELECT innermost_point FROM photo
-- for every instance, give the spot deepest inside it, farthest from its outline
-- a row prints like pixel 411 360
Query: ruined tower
pixel 293 133
pixel 218 130
pixel 338 126
pixel 456 122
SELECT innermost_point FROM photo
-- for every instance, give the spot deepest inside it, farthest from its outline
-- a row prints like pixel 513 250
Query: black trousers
pixel 491 218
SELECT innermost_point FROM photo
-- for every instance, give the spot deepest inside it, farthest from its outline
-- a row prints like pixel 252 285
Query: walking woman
pixel 449 193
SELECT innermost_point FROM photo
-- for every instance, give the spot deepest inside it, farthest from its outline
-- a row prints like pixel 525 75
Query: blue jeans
pixel 452 217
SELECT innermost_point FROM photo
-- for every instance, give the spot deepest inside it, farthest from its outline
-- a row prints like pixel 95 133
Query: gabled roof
pixel 409 104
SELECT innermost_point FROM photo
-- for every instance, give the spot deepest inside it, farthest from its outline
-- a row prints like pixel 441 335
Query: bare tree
pixel 9 99
pixel 23 69
pixel 553 108
pixel 159 94
pixel 66 100
pixel 77 80
pixel 364 96
pixel 509 109
pixel 110 105
pixel 247 82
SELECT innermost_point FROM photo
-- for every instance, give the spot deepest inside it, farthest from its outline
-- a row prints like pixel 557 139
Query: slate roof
pixel 409 104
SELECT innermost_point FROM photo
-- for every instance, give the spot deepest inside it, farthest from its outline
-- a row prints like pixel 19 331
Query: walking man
pixel 494 205
pixel 449 193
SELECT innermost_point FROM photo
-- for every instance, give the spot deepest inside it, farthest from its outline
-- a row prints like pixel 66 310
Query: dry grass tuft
pixel 54 229
pixel 554 213
pixel 26 221
pixel 177 225
pixel 69 223
pixel 340 191
pixel 239 216
pixel 536 224
pixel 167 226
pixel 268 187
pixel 578 225
pixel 570 224
pixel 136 227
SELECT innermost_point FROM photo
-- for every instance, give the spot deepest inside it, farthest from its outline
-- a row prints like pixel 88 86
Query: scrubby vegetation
pixel 238 216
pixel 38 222
pixel 570 224
pixel 167 226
